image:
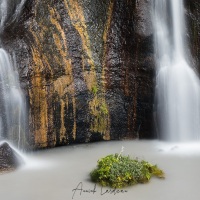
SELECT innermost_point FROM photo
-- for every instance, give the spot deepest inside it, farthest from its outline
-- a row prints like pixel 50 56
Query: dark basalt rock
pixel 9 158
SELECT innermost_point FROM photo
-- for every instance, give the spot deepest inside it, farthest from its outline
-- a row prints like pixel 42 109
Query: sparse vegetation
pixel 119 171
pixel 94 89
pixel 103 108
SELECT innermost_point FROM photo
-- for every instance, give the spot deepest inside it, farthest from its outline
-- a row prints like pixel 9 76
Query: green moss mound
pixel 118 171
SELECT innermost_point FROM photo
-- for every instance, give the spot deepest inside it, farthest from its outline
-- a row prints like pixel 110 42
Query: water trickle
pixel 9 12
pixel 12 101
pixel 177 85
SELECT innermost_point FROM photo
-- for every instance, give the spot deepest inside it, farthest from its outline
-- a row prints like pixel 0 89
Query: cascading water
pixel 12 102
pixel 177 86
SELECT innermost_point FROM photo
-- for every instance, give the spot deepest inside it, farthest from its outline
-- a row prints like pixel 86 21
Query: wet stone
pixel 9 158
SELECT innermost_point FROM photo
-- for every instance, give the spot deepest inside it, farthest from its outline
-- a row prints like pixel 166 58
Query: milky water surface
pixel 53 174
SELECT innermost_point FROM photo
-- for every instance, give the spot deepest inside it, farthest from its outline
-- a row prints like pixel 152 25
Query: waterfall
pixel 12 101
pixel 177 86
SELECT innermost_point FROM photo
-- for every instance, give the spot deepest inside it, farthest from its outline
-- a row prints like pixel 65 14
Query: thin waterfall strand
pixel 12 101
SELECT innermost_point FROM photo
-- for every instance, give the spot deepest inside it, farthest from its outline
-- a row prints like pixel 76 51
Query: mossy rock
pixel 118 171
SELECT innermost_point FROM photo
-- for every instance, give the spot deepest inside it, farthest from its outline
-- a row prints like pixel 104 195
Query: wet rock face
pixel 9 159
pixel 87 69
pixel 130 70
pixel 193 30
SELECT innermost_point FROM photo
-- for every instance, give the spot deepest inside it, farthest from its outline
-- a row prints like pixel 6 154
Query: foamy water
pixel 53 174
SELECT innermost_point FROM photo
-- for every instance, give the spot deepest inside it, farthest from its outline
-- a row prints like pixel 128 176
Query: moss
pixel 119 171
pixel 103 108
pixel 100 117
pixel 95 89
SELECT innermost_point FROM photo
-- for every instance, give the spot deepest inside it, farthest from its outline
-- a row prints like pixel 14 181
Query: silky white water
pixel 60 170
pixel 177 85
pixel 12 102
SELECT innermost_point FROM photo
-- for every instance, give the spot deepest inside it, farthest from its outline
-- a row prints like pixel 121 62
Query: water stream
pixel 177 85
pixel 12 102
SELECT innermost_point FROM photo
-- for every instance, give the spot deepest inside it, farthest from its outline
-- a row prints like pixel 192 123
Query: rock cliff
pixel 86 68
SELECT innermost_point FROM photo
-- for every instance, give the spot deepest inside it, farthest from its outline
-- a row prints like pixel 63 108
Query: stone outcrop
pixel 86 68
pixel 9 158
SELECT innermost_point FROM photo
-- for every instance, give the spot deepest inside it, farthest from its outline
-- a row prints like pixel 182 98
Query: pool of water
pixel 54 174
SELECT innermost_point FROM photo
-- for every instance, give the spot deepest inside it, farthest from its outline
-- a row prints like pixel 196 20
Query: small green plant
pixel 103 109
pixel 94 89
pixel 119 171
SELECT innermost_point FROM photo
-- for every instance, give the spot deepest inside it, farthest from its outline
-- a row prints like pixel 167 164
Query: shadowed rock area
pixel 193 32
pixel 9 158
